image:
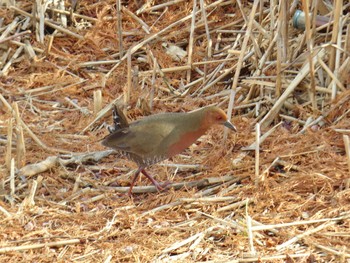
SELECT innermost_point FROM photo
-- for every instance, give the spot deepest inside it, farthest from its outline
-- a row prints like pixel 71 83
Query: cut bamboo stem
pixel 30 199
pixel 8 155
pixel 97 101
pixel 282 44
pixel 12 178
pixel 257 178
pixel 127 89
pixel 20 145
pixel 250 236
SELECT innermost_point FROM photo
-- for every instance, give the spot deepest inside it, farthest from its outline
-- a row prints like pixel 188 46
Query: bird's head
pixel 214 115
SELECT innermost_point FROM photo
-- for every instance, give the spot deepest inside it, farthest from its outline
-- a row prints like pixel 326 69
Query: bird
pixel 157 137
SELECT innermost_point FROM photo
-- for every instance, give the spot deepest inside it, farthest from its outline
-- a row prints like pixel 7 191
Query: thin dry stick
pixel 5 212
pixel 127 89
pixel 153 83
pixel 228 223
pixel 250 235
pixel 169 88
pixel 347 149
pixel 108 259
pixel 271 258
pixel 242 54
pixel 20 146
pixel 337 12
pixel 190 44
pixel 9 28
pixel 8 155
pixel 176 186
pixel 97 63
pixel 207 32
pixel 3 40
pixel 266 121
pixel 333 251
pixel 30 50
pixel 144 26
pixel 183 242
pixel 281 45
pixel 234 206
pixel 12 178
pixel 253 39
pixel 4 250
pixel 75 105
pixel 229 111
pixel 211 181
pixel 31 134
pixel 102 113
pixel 76 184
pixel 40 9
pixel 179 68
pixel 47 22
pixel 88 18
pixel 337 60
pixel 257 155
pixel 52 161
pixel 120 29
pixel 267 53
pixel 242 155
pixel 7 66
pixel 39 50
pixel 244 45
pixel 136 47
pixel 306 233
pixel 212 199
pixel 295 223
pixel 347 42
pixel 309 41
pixel 87 255
pixel 160 6
pixel 331 74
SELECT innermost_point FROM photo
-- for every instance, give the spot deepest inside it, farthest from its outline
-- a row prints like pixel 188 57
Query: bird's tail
pixel 119 120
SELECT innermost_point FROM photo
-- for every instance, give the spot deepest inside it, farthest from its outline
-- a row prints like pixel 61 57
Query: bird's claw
pixel 161 187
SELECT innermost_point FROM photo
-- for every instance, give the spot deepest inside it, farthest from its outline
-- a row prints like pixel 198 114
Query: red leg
pixel 156 184
pixel 137 173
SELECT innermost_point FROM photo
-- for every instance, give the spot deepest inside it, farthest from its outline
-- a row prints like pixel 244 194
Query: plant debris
pixel 278 190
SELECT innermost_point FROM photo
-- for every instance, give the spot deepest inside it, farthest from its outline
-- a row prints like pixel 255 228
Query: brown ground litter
pixel 63 194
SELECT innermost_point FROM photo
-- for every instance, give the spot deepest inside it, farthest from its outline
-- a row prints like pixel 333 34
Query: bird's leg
pixel 160 187
pixel 137 173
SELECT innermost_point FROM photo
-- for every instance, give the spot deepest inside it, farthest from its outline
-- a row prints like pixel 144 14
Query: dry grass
pixel 62 194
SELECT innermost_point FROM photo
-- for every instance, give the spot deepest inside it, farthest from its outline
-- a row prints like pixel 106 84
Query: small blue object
pixel 299 19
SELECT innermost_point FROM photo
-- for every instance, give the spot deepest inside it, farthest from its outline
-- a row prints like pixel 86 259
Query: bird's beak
pixel 229 125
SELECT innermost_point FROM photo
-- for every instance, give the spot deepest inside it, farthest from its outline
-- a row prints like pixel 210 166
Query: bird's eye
pixel 219 118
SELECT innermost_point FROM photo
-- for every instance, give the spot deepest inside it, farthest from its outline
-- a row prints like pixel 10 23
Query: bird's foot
pixel 162 187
